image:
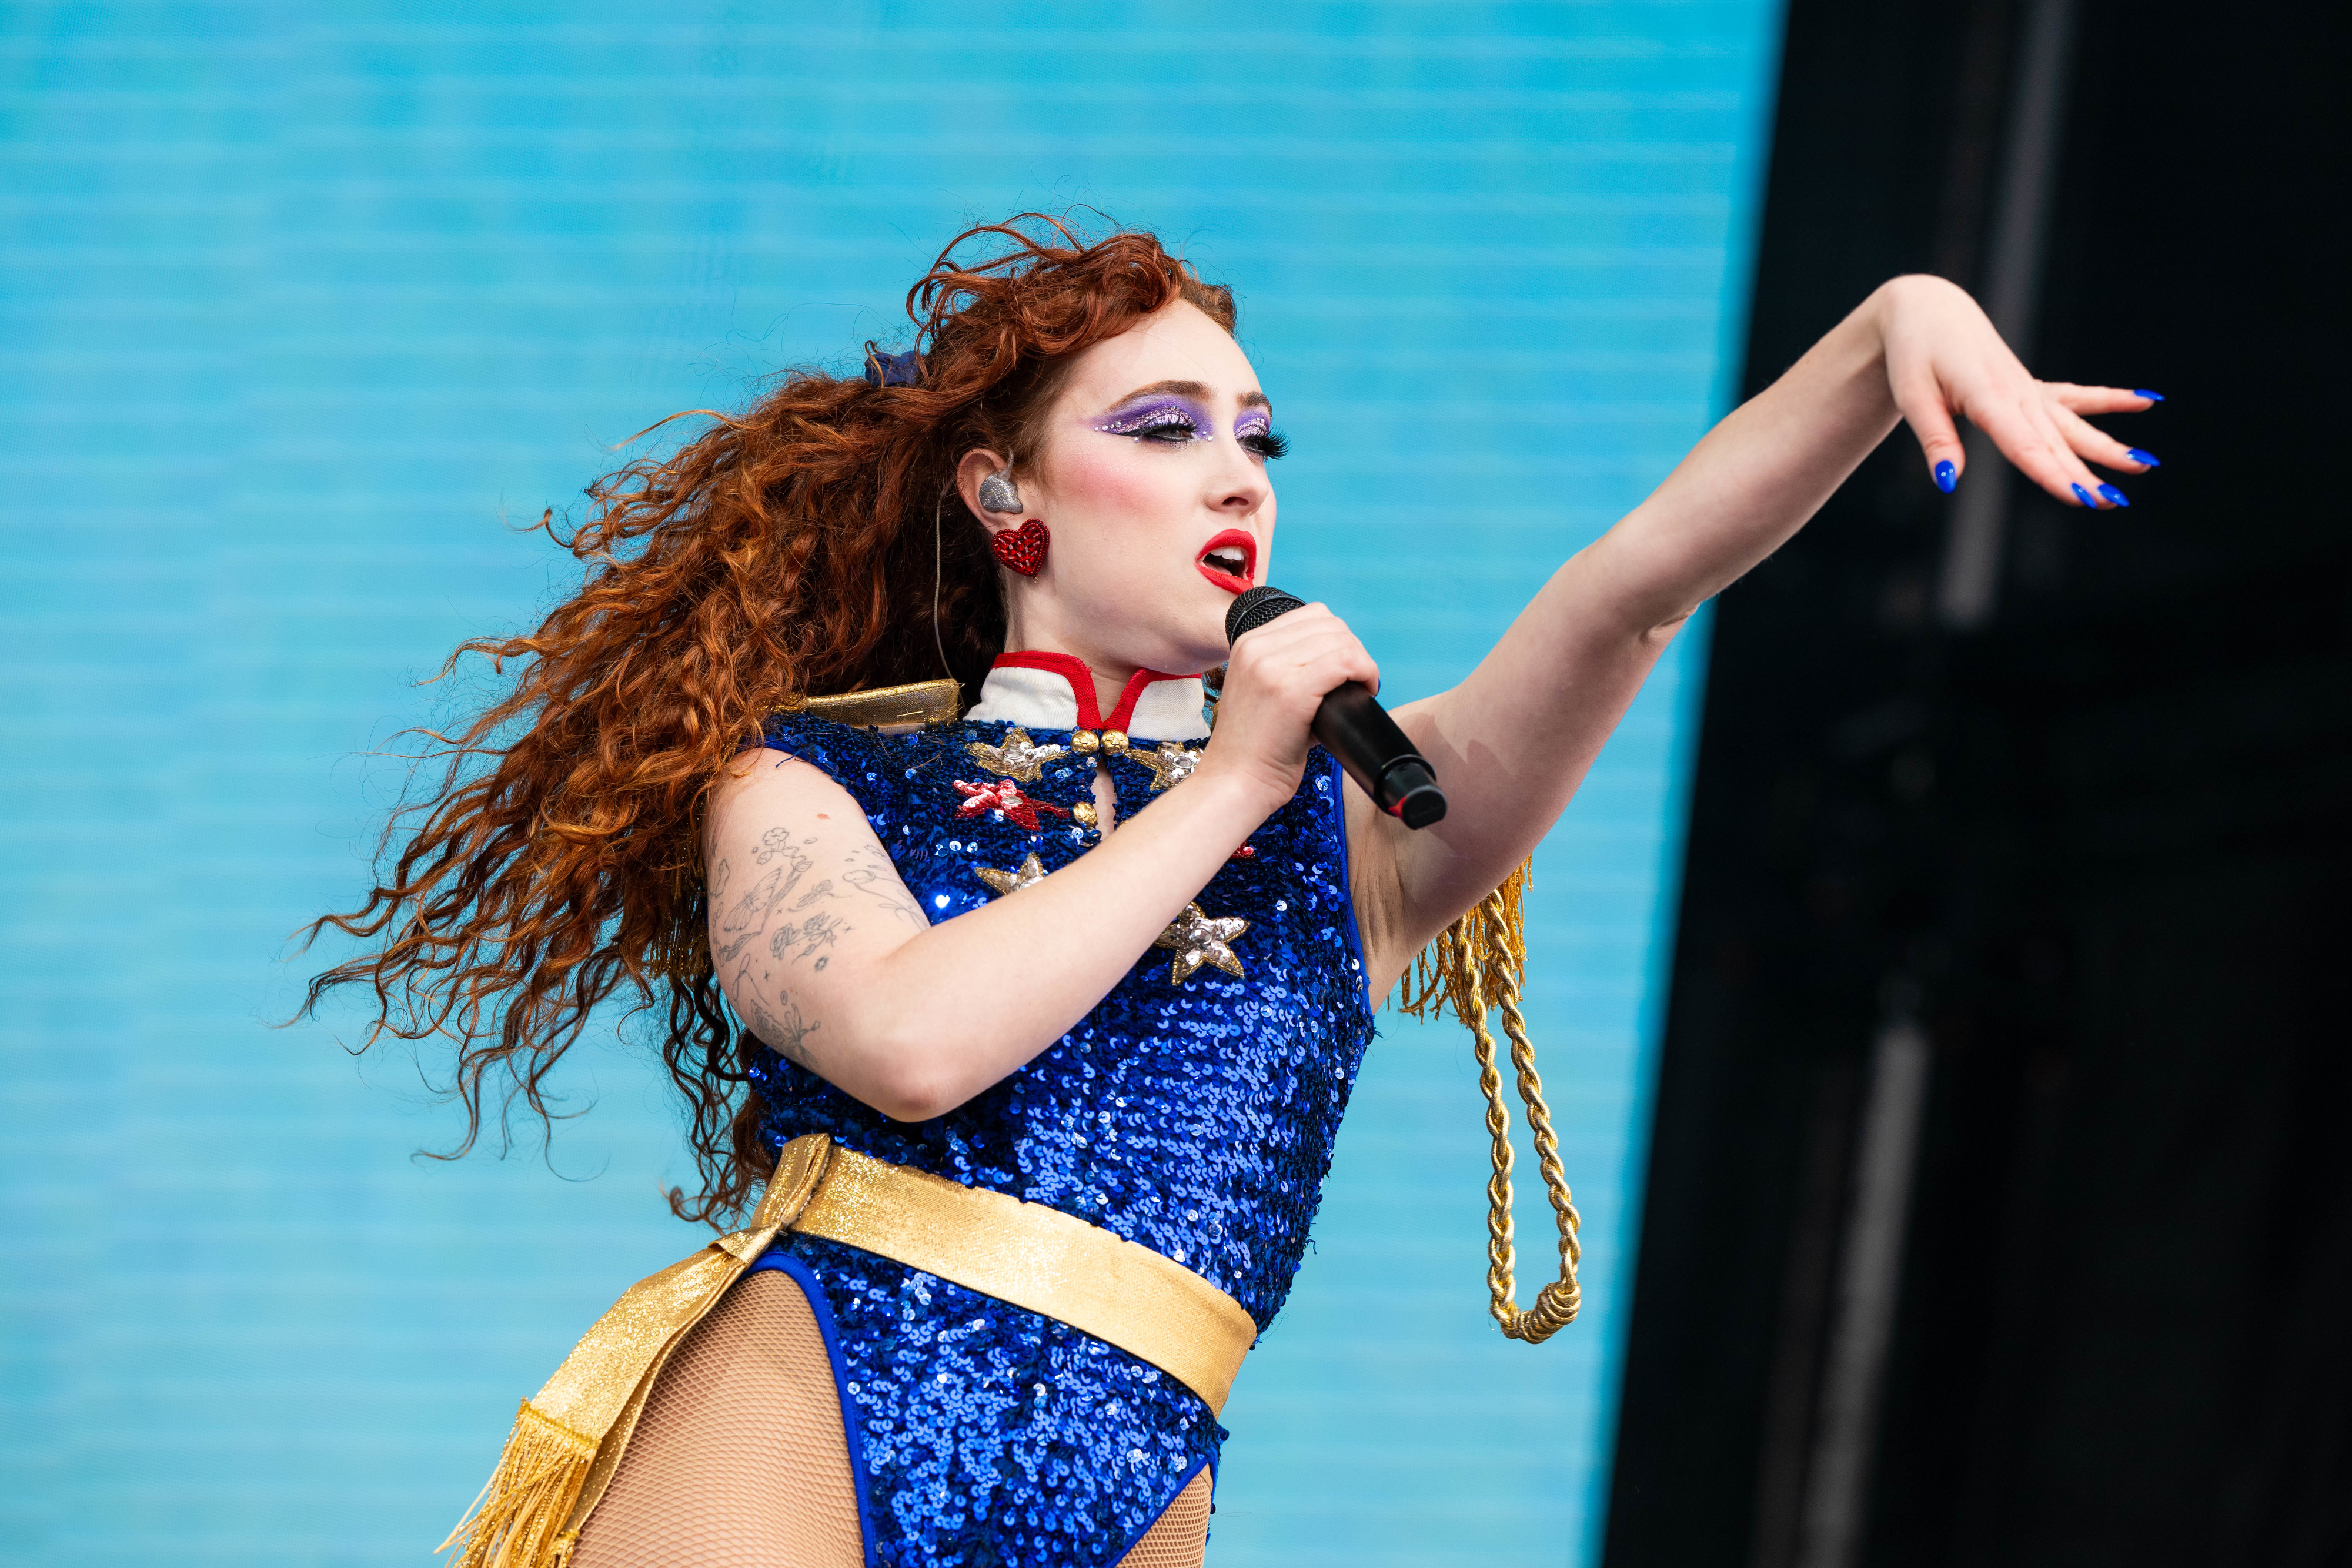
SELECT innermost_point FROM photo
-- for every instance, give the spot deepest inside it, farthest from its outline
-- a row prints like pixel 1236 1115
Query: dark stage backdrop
pixel 2000 1197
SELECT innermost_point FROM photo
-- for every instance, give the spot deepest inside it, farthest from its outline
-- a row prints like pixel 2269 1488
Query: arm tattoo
pixel 783 1028
pixel 748 917
pixel 750 979
pixel 880 882
pixel 819 930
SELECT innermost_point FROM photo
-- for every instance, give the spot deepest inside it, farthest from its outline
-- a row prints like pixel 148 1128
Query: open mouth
pixel 1230 560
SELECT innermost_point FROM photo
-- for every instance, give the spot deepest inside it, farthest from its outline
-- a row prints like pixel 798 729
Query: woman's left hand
pixel 1514 738
pixel 1943 357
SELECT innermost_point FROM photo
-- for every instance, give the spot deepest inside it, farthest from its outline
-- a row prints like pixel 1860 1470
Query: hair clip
pixel 891 370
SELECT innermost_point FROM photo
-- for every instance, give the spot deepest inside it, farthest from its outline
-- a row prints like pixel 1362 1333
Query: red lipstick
pixel 1232 542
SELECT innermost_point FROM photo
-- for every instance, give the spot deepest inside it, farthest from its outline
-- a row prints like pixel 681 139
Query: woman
pixel 1048 1008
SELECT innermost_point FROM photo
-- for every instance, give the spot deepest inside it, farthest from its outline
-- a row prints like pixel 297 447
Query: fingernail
pixel 2152 397
pixel 1947 476
pixel 2145 459
pixel 2084 496
pixel 2114 497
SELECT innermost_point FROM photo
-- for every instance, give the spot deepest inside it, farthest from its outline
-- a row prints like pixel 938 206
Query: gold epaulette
pixel 892 710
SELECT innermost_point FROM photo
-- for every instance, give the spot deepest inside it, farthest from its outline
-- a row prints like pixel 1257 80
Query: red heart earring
pixel 1022 548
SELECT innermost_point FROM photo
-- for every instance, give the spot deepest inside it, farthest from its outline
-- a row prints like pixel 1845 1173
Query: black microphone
pixel 1354 727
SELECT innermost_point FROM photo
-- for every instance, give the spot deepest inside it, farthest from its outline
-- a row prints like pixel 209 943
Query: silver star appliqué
pixel 1019 758
pixel 1197 939
pixel 1170 764
pixel 1029 874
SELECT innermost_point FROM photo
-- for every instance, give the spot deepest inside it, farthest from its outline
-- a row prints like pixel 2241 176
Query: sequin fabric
pixel 1195 1119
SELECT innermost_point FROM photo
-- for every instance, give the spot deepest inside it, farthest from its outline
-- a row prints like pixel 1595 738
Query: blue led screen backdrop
pixel 306 307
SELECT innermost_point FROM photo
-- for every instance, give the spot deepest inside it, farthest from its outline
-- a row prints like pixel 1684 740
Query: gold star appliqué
pixel 1197 939
pixel 1019 758
pixel 1170 764
pixel 1029 875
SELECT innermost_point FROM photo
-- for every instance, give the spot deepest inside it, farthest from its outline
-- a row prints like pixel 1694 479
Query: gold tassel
pixel 569 1436
pixel 682 950
pixel 1480 951
pixel 1475 965
pixel 518 1521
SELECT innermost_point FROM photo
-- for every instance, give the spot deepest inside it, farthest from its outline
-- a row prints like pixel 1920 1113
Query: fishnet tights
pixel 740 1460
pixel 1180 1536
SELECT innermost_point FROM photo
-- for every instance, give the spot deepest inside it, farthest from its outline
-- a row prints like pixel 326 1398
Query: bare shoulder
pixel 765 780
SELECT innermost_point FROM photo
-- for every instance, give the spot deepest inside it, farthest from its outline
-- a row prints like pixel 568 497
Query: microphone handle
pixel 1353 726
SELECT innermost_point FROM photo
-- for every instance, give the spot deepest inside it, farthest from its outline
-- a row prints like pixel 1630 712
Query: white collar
pixel 1056 691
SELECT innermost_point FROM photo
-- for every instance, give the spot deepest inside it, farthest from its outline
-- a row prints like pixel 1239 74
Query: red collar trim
pixel 1073 670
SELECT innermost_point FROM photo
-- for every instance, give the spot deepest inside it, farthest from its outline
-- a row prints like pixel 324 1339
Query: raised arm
pixel 1513 740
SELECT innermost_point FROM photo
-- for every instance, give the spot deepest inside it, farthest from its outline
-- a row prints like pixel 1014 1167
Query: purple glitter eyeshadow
pixel 1253 422
pixel 1158 413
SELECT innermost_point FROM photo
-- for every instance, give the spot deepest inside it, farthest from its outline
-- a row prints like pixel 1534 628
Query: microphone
pixel 1354 727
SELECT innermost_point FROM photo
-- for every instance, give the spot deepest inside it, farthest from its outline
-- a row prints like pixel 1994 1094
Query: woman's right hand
pixel 1275 680
pixel 831 960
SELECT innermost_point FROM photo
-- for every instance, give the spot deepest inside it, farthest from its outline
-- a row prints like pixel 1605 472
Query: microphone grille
pixel 1255 607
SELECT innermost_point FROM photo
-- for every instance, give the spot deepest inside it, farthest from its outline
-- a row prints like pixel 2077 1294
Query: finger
pixel 2013 429
pixel 2101 399
pixel 1283 631
pixel 1921 402
pixel 1297 655
pixel 1292 619
pixel 2097 445
pixel 1333 659
pixel 1312 638
pixel 2088 488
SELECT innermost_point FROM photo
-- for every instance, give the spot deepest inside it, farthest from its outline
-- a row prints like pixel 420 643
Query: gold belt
pixel 569 1438
pixel 1148 1305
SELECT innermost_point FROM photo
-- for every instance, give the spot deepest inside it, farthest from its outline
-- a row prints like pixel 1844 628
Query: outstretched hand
pixel 1943 358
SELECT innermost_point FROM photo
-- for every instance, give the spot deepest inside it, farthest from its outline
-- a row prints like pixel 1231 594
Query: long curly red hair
pixel 786 551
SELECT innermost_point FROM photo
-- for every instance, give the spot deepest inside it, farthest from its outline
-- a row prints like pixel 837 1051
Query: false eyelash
pixel 1267 443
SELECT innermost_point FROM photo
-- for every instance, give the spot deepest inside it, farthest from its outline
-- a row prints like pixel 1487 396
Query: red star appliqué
pixel 1005 796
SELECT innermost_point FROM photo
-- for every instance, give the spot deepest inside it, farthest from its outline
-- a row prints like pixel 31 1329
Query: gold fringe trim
pixel 682 951
pixel 518 1521
pixel 569 1436
pixel 1478 954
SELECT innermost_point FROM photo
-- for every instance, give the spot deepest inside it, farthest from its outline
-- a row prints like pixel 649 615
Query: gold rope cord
pixel 1477 962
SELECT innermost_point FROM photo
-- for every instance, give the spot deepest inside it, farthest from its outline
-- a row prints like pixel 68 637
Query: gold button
pixel 1085 813
pixel 1083 741
pixel 1115 741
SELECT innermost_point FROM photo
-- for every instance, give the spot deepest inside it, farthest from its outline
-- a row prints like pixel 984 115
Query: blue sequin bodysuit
pixel 1194 1117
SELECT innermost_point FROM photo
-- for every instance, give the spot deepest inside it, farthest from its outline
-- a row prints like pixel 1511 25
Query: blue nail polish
pixel 2152 397
pixel 1947 476
pixel 2145 459
pixel 2084 496
pixel 2115 498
